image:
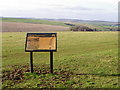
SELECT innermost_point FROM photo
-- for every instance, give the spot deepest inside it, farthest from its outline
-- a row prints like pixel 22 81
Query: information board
pixel 39 42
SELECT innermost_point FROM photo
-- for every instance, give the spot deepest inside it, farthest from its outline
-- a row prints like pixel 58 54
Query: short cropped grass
pixel 83 60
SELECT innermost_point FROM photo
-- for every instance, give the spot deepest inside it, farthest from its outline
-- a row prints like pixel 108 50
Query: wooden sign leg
pixel 31 62
pixel 51 62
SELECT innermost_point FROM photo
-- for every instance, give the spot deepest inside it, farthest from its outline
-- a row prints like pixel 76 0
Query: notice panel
pixel 41 42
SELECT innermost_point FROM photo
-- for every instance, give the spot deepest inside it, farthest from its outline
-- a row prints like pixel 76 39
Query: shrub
pixel 81 28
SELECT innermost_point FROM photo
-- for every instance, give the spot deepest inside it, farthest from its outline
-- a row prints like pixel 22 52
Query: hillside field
pixel 83 60
pixel 50 23
pixel 30 27
pixel 33 21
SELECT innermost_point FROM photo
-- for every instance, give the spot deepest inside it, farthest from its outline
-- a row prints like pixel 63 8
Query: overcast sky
pixel 106 10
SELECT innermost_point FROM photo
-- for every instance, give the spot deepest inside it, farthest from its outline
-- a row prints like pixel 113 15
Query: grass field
pixel 83 60
pixel 35 21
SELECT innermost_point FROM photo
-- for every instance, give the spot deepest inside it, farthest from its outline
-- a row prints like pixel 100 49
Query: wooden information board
pixel 41 42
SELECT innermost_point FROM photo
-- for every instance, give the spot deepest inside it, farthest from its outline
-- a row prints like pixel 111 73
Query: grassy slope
pixel 36 21
pixel 102 26
pixel 82 53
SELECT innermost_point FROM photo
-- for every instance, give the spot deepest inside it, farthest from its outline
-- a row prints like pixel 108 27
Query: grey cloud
pixel 87 13
pixel 81 8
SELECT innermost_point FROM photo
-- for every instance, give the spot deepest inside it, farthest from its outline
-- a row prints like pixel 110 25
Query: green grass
pixel 36 21
pixel 83 60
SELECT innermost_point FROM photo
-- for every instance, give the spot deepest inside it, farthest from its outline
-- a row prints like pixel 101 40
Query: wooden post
pixel 31 62
pixel 51 61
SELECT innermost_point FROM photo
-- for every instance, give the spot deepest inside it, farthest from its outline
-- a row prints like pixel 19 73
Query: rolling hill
pixel 31 24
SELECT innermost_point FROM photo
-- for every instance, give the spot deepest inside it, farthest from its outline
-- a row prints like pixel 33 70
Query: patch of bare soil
pixel 17 74
pixel 27 27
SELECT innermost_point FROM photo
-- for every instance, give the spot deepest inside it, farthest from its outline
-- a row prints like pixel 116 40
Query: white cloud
pixel 32 4
pixel 60 8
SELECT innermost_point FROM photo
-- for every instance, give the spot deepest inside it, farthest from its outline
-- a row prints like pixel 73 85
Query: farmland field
pixel 35 21
pixel 24 24
pixel 83 60
pixel 30 27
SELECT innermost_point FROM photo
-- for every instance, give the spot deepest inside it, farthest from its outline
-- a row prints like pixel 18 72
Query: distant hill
pixel 93 24
pixel 33 21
